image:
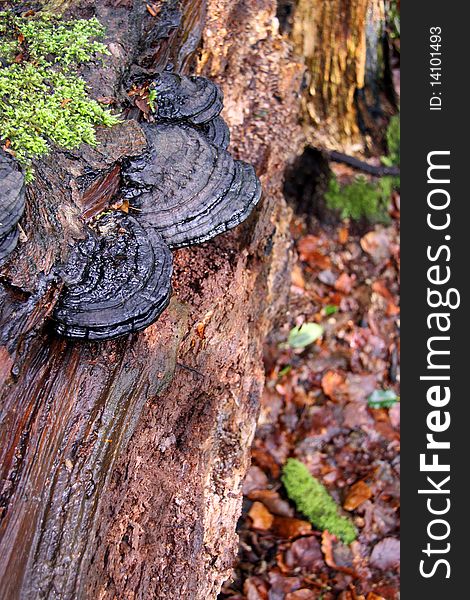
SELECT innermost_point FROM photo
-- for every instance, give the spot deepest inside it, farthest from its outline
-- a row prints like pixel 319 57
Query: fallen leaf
pixel 343 235
pixel 261 517
pixel 304 335
pixel 266 461
pixel 304 553
pixel 386 554
pixel 327 542
pixel 330 382
pixel 273 502
pixel 152 10
pixel 377 244
pixel 344 283
pixel 379 287
pixel 255 479
pixel 255 588
pixel 309 253
pixel 372 596
pixel 359 493
pixel 382 399
pixel 302 594
pixel 287 527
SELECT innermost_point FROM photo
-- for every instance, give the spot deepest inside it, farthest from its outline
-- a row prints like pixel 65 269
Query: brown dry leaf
pixel 261 517
pixel 331 381
pixel 380 288
pixel 386 554
pixel 123 206
pixel 372 596
pixel 273 502
pixel 255 588
pixel 107 100
pixel 142 104
pixel 327 541
pixel 343 235
pixel 302 594
pixel 305 553
pixel 265 460
pixel 255 479
pixel 377 244
pixel 359 493
pixel 153 10
pixel 287 527
pixel 308 252
pixel 344 283
pixel 200 328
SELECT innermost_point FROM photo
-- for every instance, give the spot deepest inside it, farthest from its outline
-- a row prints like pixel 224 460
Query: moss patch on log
pixel 43 99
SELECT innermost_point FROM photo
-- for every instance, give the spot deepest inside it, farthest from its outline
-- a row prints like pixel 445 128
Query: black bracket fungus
pixel 194 99
pixel 217 132
pixel 187 188
pixel 117 281
pixel 12 203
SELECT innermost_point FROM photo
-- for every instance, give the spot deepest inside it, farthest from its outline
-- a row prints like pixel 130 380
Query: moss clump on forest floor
pixel 43 100
pixel 364 199
pixel 313 500
pixel 360 198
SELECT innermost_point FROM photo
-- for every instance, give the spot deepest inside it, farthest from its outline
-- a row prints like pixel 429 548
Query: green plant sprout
pixel 43 100
pixel 152 98
pixel 313 500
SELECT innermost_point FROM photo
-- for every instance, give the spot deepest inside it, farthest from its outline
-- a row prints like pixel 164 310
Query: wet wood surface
pixel 122 461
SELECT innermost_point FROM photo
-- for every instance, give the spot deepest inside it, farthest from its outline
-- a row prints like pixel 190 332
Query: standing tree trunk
pixel 341 42
pixel 122 461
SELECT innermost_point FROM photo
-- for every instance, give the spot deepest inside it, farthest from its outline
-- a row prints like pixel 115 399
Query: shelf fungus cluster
pixel 184 189
pixel 12 202
pixel 117 281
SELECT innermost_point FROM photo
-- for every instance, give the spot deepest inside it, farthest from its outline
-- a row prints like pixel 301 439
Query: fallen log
pixel 122 461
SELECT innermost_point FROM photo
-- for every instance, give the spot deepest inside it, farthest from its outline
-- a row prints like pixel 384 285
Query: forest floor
pixel 317 408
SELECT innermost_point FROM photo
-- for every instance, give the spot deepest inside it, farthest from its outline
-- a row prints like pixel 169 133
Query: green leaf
pixel 330 309
pixel 306 334
pixel 382 399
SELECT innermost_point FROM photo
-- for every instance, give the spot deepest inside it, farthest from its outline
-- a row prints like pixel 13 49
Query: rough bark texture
pixel 341 43
pixel 121 462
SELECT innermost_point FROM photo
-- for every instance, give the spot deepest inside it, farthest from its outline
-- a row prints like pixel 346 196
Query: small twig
pixel 361 165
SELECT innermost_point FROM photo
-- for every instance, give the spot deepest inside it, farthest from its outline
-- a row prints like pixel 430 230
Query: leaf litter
pixel 331 401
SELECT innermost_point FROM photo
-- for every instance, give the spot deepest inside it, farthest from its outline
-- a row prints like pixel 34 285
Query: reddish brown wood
pixel 121 462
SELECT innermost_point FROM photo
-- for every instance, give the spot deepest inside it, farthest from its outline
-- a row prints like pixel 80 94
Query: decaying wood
pixel 121 462
pixel 341 43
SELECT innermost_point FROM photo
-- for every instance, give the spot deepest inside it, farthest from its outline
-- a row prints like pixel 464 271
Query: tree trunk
pixel 341 42
pixel 122 461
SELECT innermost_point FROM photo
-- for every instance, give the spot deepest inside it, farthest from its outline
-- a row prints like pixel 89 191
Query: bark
pixel 122 461
pixel 341 42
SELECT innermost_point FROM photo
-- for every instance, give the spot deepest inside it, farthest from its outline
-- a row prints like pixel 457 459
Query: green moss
pixel 360 198
pixel 43 100
pixel 393 142
pixel 313 500
pixel 152 98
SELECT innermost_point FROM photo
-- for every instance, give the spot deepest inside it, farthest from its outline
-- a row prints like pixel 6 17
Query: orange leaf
pixel 287 527
pixel 261 517
pixel 330 382
pixel 359 493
